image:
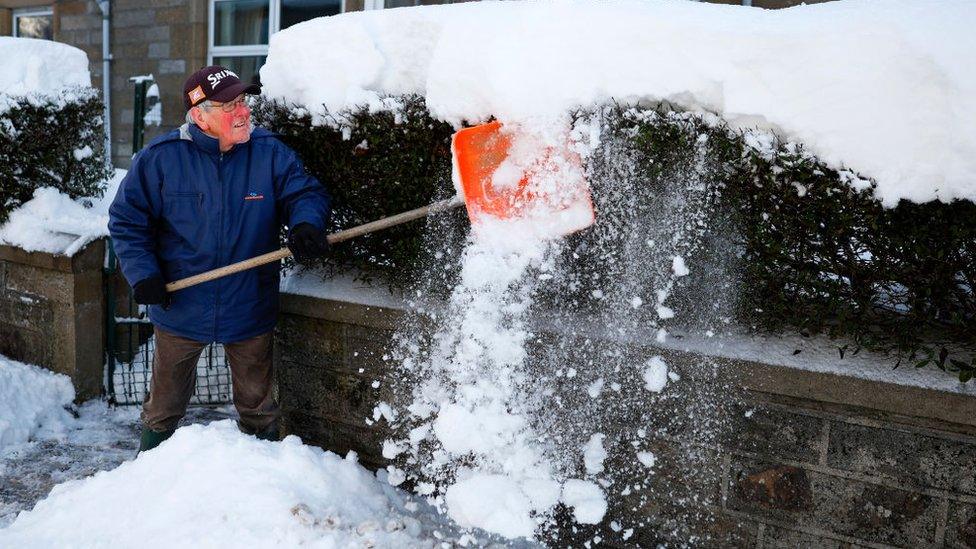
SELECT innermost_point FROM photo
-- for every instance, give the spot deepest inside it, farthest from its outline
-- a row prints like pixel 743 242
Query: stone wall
pixel 748 454
pixel 52 313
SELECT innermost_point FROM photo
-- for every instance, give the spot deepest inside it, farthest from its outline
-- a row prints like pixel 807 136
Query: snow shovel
pixel 480 153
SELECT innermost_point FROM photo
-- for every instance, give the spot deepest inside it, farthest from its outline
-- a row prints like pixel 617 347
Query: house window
pixel 34 23
pixel 239 29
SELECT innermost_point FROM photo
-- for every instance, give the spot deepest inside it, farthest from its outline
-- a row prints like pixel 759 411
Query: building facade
pixel 170 38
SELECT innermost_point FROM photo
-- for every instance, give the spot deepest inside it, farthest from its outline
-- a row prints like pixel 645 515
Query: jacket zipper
pixel 220 234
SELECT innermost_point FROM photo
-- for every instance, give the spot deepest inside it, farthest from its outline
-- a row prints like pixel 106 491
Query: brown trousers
pixel 174 374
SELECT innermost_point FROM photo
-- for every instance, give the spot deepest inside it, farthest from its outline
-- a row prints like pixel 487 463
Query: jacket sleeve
pixel 300 197
pixel 132 223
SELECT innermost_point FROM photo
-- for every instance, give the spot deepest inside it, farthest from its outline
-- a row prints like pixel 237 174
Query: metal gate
pixel 130 345
pixel 129 333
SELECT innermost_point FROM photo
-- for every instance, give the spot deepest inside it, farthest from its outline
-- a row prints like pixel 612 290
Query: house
pixel 170 38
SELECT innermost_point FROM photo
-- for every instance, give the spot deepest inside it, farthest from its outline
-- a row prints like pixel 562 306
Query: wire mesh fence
pixel 131 345
pixel 133 369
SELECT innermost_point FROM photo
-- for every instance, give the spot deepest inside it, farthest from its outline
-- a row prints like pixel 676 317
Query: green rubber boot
pixel 151 439
pixel 268 433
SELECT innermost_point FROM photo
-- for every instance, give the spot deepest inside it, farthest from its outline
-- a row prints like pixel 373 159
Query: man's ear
pixel 201 121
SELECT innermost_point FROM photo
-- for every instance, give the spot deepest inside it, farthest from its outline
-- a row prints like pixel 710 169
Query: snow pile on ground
pixel 211 486
pixel 54 223
pixel 40 66
pixel 883 87
pixel 32 402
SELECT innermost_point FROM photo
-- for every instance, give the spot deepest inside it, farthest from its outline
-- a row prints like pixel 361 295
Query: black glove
pixel 308 242
pixel 151 291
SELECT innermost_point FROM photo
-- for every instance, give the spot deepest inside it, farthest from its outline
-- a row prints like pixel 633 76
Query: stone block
pixel 336 437
pixel 780 487
pixel 77 22
pixel 76 7
pixel 172 66
pixel 133 17
pixel 775 537
pixel 912 459
pixel 129 35
pixel 773 431
pixel 674 500
pixel 343 312
pixel 158 50
pixel 856 509
pixel 367 354
pixel 311 343
pixel 961 526
pixel 24 280
pixel 132 50
pixel 326 393
pixel 172 16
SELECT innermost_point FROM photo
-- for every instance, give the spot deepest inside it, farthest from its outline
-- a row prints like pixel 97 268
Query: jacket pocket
pixel 183 211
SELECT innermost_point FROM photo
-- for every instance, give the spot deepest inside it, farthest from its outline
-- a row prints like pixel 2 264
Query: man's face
pixel 229 122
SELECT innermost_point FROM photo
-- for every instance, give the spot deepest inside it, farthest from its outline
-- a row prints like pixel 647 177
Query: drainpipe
pixel 105 6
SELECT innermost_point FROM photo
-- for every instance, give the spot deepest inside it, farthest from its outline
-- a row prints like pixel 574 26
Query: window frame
pixel 253 50
pixel 34 12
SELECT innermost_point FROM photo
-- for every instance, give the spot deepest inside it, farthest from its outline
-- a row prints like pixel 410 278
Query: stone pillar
pixel 52 313
pixel 6 22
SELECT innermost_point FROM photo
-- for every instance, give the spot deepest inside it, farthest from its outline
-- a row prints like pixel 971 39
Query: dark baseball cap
pixel 216 83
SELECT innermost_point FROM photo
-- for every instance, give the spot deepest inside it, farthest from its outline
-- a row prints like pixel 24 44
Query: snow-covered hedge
pixel 808 247
pixel 51 140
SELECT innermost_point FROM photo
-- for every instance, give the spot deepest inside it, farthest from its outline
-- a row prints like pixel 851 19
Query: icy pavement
pixel 100 439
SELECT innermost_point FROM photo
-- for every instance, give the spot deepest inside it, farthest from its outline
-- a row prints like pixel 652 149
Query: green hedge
pixel 761 220
pixel 51 141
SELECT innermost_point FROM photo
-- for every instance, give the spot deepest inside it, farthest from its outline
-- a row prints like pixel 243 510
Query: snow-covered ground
pixel 32 402
pixel 99 439
pixel 209 485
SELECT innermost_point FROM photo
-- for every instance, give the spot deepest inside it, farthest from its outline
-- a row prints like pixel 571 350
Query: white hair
pixel 207 104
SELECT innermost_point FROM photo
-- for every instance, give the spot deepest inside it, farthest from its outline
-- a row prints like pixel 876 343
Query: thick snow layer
pixel 884 87
pixel 54 223
pixel 32 402
pixel 211 486
pixel 40 66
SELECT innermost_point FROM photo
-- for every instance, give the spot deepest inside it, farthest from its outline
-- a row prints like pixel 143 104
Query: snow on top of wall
pixel 32 401
pixel 54 223
pixel 40 66
pixel 882 87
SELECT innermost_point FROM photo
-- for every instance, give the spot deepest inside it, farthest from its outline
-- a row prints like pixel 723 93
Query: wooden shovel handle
pixel 334 238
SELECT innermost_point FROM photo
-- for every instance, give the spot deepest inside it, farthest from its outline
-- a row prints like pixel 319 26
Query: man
pixel 214 192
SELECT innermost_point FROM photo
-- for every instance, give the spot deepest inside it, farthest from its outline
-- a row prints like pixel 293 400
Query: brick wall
pixel 748 454
pixel 52 313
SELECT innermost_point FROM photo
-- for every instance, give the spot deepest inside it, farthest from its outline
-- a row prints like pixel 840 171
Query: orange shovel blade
pixel 478 153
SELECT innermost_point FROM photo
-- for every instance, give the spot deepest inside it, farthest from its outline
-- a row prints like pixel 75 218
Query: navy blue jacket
pixel 185 208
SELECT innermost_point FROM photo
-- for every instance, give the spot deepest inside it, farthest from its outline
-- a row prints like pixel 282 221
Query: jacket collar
pixel 210 145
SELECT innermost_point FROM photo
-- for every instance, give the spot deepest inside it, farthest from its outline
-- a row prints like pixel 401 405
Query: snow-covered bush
pixel 51 140
pixel 799 244
pixel 51 131
pixel 374 165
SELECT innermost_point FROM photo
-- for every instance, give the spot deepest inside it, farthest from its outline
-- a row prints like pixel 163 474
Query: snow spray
pixel 511 394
